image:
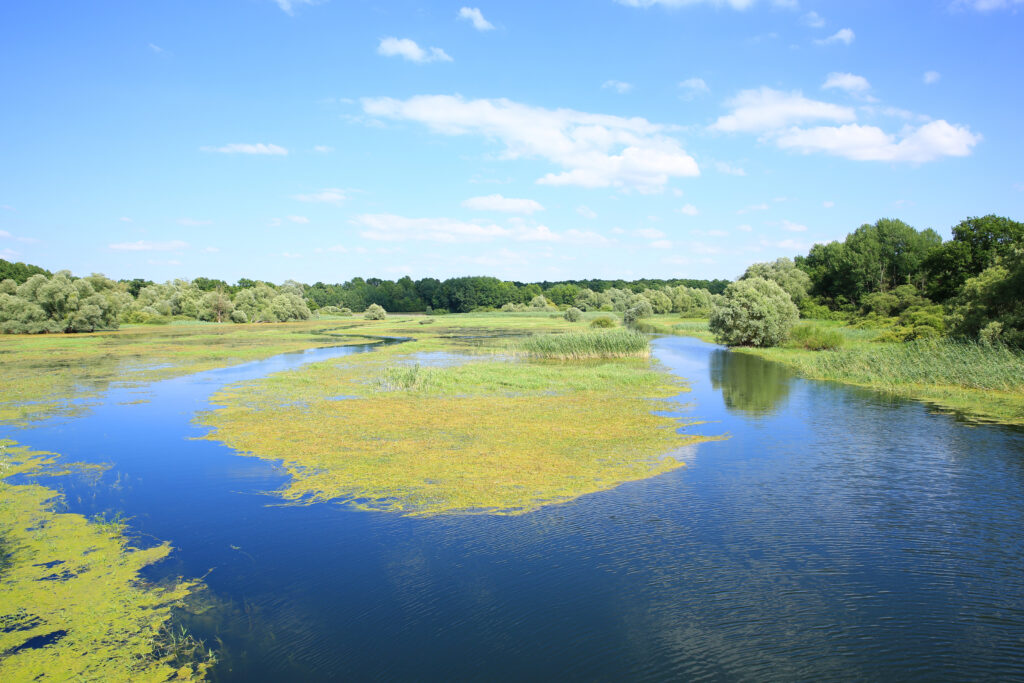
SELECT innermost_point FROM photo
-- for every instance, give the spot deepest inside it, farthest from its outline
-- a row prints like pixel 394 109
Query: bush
pixel 753 312
pixel 239 316
pixel 573 314
pixel 426 321
pixel 638 311
pixel 815 338
pixel 375 312
pixel 604 321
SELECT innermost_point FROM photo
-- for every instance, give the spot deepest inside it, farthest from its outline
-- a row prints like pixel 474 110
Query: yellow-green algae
pixel 72 605
pixel 42 374
pixel 490 435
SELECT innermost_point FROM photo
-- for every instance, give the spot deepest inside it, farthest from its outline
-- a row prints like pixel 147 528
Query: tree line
pixel 889 275
pixel 34 300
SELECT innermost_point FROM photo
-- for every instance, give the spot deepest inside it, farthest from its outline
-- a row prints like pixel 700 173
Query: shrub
pixel 239 316
pixel 573 314
pixel 816 338
pixel 375 312
pixel 426 321
pixel 604 321
pixel 753 312
pixel 637 312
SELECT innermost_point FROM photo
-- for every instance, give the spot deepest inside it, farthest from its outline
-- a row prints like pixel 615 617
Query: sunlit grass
pixel 618 343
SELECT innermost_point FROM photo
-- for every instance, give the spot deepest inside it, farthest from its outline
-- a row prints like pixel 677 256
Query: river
pixel 836 534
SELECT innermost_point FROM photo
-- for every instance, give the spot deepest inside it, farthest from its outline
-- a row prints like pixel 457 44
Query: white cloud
pixel 330 195
pixel 735 4
pixel 744 228
pixel 620 87
pixel 813 19
pixel 9 253
pixel 192 222
pixel 125 219
pixel 144 245
pixel 828 204
pixel 246 148
pixel 496 202
pixel 931 77
pixel 597 150
pixel 692 87
pixel 794 245
pixel 766 109
pixel 6 207
pixel 408 49
pixel 661 244
pixel 847 82
pixel 586 212
pixel 155 48
pixel 4 233
pixel 987 5
pixel 475 16
pixel 689 210
pixel 289 254
pixel 843 35
pixel 728 169
pixel 793 227
pixel 649 233
pixel 288 6
pixel 323 149
pixel 755 207
pixel 392 228
pixel 870 143
pixel 301 220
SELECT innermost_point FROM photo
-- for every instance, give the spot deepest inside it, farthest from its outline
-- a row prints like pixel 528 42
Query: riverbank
pixel 975 382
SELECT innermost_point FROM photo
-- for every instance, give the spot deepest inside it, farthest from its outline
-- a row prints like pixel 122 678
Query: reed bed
pixel 619 343
pixel 920 362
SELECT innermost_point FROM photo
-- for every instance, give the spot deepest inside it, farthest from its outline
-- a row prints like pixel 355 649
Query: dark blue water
pixel 836 534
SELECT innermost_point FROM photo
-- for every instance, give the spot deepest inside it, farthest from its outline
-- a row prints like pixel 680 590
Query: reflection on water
pixel 748 384
pixel 835 535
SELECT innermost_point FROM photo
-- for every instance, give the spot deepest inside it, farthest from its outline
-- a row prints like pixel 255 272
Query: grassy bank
pixel 488 431
pixel 977 382
pixel 75 586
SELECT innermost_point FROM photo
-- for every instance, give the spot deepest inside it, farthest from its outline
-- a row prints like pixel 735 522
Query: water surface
pixel 836 534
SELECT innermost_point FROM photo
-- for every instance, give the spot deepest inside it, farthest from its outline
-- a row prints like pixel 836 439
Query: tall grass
pixel 618 343
pixel 920 362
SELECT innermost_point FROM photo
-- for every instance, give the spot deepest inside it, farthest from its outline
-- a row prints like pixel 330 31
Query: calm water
pixel 835 535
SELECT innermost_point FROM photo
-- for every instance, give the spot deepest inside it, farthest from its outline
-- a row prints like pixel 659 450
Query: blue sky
pixel 325 140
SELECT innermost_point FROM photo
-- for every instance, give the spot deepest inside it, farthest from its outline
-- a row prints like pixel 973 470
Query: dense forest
pixel 886 274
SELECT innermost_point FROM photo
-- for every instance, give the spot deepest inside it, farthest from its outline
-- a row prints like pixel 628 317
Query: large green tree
pixel 976 244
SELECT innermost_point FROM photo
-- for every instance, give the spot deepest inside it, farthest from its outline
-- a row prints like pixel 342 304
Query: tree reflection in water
pixel 748 384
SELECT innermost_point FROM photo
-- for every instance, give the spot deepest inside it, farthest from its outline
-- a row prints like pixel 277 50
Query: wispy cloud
pixel 764 109
pixel 144 245
pixel 843 35
pixel 688 210
pixel 288 6
pixel 408 49
pixel 596 150
pixel 620 87
pixel 586 212
pixel 330 195
pixel 476 17
pixel 393 228
pixel 693 87
pixel 496 202
pixel 812 19
pixel 193 222
pixel 258 148
pixel 848 82
pixel 931 77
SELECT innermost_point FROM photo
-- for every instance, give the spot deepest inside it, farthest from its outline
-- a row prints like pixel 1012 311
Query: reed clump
pixel 814 338
pixel 619 343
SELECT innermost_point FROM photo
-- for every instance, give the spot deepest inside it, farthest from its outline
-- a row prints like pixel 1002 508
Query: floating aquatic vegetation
pixel 72 604
pixel 493 436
